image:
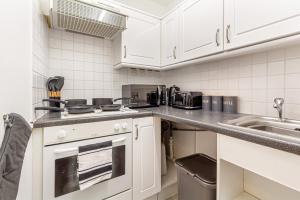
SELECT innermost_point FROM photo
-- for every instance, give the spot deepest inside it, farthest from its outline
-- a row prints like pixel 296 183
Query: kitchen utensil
pixel 112 107
pixel 73 106
pixel 68 102
pixel 80 109
pixel 97 102
pixel 171 95
pixel 49 108
pixel 51 83
pixel 59 83
pixel 106 104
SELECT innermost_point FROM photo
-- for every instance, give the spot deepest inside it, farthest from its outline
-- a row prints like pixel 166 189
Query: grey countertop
pixel 55 119
pixel 201 119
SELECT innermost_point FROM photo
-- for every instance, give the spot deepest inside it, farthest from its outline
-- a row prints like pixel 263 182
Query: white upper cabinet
pixel 140 42
pixel 169 39
pixel 253 21
pixel 201 28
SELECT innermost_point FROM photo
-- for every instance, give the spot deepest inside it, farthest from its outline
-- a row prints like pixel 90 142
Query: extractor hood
pixel 82 17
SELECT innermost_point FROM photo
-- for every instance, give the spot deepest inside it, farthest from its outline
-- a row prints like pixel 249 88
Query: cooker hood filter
pixel 77 16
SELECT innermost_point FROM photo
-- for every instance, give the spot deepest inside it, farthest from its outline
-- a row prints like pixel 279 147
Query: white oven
pixel 60 179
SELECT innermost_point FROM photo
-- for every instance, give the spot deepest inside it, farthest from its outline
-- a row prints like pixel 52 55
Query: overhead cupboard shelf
pixel 203 30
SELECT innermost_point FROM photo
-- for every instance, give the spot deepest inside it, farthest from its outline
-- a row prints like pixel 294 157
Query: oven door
pixel 60 180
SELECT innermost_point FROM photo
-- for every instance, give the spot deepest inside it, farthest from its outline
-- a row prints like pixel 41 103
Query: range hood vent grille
pixel 85 18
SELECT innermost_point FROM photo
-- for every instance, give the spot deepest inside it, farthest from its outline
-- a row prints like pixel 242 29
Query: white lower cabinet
pixel 146 157
pixel 248 171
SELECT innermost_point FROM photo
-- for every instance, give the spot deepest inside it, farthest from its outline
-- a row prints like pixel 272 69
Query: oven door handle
pixel 119 140
pixel 66 151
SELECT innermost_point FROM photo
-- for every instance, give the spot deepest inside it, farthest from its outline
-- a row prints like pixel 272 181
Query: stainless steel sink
pixel 287 129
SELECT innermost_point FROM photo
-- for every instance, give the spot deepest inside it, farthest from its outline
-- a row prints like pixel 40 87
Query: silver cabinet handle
pixel 217 37
pixel 125 51
pixel 137 132
pixel 174 52
pixel 228 33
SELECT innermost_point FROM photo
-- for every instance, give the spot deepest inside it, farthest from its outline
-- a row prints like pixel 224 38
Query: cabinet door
pixel 201 28
pixel 141 40
pixel 253 21
pixel 170 31
pixel 146 158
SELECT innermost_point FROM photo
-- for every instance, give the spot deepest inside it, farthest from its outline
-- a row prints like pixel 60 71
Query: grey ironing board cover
pixel 12 153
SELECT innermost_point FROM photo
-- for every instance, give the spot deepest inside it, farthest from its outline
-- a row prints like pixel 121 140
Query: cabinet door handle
pixel 174 52
pixel 228 33
pixel 137 132
pixel 125 51
pixel 217 37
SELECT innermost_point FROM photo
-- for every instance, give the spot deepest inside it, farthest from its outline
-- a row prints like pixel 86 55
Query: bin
pixel 196 177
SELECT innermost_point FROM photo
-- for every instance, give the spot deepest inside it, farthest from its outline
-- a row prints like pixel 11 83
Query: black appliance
pixel 143 96
pixel 171 94
pixel 187 100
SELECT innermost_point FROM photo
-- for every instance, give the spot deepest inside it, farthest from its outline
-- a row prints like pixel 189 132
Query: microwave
pixel 144 96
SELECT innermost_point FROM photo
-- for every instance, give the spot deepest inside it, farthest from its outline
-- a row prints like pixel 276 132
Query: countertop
pixel 55 118
pixel 201 119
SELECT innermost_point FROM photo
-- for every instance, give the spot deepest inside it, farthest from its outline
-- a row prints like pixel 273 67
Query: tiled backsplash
pixel 255 78
pixel 39 56
pixel 86 64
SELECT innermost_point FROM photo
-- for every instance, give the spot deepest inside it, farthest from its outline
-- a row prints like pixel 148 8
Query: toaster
pixel 187 100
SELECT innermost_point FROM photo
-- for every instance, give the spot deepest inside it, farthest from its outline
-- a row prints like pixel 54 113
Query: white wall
pixel 40 61
pixel 255 78
pixel 15 77
pixel 86 64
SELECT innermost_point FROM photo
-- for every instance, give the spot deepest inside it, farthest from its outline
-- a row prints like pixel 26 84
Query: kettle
pixel 171 94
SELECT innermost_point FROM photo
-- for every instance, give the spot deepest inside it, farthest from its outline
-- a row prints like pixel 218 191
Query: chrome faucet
pixel 278 103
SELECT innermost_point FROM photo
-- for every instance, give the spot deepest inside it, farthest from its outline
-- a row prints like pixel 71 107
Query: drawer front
pixel 60 134
pixel 279 166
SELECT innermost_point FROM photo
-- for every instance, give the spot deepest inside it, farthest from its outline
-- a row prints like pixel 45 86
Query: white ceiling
pixel 156 7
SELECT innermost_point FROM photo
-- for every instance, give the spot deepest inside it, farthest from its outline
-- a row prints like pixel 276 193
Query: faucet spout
pixel 278 105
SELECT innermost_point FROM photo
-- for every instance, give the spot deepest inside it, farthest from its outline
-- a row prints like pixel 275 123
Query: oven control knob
pixel 117 127
pixel 61 134
pixel 124 126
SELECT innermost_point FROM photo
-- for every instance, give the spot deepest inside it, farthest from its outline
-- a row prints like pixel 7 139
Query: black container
pixel 230 104
pixel 217 103
pixel 54 104
pixel 207 103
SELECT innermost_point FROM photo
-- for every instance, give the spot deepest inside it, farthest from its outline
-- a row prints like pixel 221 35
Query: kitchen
pixel 214 49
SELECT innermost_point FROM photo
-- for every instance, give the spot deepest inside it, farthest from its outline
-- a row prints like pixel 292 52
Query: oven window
pixel 66 178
